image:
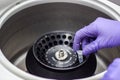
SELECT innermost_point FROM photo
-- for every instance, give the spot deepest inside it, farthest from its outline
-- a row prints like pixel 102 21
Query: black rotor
pixel 52 56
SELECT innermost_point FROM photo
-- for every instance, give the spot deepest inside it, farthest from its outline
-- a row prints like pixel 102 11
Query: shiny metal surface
pixel 115 1
pixel 21 30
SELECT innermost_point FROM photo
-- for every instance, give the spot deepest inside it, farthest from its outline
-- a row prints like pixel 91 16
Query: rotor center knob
pixel 61 55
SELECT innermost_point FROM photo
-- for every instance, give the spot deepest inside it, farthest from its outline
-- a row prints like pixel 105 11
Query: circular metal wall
pixel 23 24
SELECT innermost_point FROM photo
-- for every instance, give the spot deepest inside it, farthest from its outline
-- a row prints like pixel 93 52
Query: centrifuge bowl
pixel 25 22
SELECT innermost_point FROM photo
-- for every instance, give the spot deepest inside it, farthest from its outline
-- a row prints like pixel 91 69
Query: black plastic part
pixel 86 70
pixel 37 64
pixel 49 41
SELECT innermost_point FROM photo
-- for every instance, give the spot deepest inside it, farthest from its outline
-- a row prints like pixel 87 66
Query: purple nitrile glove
pixel 113 71
pixel 106 33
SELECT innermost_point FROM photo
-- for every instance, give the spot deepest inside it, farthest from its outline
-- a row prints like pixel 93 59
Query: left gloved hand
pixel 113 72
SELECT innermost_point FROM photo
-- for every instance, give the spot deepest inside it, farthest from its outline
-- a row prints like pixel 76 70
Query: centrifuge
pixel 36 39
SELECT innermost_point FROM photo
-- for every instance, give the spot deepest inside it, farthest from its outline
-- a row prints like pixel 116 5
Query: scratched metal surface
pixel 4 3
pixel 115 1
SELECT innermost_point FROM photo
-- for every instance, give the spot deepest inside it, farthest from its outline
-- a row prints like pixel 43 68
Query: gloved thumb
pixel 90 48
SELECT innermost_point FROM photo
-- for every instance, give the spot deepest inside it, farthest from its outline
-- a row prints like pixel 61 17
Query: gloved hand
pixel 113 72
pixel 106 33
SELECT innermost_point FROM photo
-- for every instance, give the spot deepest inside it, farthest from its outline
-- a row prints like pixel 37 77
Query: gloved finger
pixel 79 35
pixel 114 63
pixel 91 47
pixel 113 71
pixel 85 41
pixel 83 33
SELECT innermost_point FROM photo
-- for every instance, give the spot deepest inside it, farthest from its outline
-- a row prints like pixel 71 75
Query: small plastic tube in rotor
pixel 80 56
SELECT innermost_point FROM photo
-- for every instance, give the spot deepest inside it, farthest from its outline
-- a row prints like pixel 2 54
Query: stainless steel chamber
pixel 23 23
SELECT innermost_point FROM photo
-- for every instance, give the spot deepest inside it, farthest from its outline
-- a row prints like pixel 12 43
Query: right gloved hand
pixel 106 32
